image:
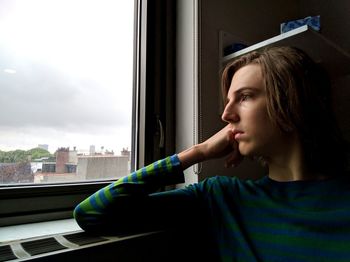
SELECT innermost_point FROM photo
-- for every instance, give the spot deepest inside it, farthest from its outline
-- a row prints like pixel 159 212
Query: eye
pixel 245 97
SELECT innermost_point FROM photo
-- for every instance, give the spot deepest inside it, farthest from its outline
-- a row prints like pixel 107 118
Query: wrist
pixel 191 156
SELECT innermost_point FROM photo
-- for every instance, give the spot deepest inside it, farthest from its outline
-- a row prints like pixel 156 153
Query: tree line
pixel 18 155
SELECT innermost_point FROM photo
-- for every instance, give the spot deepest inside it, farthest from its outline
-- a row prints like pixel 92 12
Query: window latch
pixel 161 133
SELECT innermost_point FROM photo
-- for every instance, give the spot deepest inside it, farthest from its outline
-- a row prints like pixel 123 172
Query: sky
pixel 66 74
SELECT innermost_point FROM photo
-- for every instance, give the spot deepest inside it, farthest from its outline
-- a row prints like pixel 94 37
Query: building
pixel 92 150
pixel 44 146
pixel 125 152
pixel 70 166
pixel 16 173
pixel 101 167
pixel 66 162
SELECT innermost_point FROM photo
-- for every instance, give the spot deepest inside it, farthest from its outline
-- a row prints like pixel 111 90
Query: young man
pixel 278 111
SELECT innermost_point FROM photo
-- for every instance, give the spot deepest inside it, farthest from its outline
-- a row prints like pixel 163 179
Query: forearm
pixel 191 156
pixel 95 211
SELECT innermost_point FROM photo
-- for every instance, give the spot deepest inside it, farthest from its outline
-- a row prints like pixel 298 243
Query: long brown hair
pixel 298 99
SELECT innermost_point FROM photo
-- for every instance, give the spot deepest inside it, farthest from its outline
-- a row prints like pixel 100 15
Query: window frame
pixel 38 203
pixel 153 70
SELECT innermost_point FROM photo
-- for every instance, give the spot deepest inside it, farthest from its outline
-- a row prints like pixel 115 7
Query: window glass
pixel 66 69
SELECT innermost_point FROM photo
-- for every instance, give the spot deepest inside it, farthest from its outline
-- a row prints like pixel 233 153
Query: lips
pixel 237 134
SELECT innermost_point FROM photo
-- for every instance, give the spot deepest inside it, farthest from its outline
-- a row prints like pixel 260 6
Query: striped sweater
pixel 262 220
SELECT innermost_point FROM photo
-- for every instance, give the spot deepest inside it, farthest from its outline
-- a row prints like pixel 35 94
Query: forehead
pixel 247 76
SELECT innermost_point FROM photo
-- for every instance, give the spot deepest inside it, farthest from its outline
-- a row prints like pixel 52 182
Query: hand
pixel 219 145
pixel 222 144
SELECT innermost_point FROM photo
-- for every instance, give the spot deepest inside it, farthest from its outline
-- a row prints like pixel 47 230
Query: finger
pixel 233 160
pixel 235 157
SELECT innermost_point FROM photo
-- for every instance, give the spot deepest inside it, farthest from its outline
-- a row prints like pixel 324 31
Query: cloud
pixel 65 81
pixel 39 95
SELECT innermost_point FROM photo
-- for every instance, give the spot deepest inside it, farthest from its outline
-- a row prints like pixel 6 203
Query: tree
pixel 18 155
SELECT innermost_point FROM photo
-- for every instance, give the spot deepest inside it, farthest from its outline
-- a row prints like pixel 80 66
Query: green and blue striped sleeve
pixel 107 206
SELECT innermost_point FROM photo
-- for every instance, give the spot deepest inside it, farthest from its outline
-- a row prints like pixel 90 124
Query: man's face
pixel 247 113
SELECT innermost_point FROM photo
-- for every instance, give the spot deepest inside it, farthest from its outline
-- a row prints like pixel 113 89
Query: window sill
pixel 166 245
pixel 34 230
pixel 15 239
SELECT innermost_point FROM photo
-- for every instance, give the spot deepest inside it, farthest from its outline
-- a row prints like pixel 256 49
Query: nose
pixel 230 114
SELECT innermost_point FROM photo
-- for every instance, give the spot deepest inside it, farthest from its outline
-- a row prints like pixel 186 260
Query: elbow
pixel 80 217
pixel 91 221
pixel 87 220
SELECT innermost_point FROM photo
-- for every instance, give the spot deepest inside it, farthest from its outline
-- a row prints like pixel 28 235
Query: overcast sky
pixel 66 73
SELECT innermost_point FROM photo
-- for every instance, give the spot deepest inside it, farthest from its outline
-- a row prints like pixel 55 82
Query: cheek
pixel 261 129
pixel 259 119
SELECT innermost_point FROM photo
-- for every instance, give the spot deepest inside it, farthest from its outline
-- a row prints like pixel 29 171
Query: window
pixel 67 80
pixel 147 118
pixel 66 76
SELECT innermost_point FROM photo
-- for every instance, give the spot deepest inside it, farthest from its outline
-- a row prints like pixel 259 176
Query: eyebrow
pixel 246 88
pixel 238 92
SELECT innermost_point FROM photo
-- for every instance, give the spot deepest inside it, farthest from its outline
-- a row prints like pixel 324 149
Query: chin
pixel 247 151
pixel 244 150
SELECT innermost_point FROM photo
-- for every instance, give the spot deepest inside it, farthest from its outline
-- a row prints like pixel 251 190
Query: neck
pixel 282 169
pixel 289 164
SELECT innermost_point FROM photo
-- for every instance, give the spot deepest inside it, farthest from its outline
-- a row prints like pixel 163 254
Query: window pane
pixel 66 90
